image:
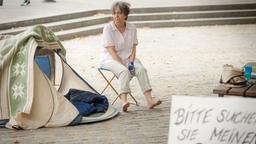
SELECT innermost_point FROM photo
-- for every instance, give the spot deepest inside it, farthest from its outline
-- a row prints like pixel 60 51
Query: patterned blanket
pixel 16 68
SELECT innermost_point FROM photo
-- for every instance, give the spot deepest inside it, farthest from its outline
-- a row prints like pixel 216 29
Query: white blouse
pixel 123 42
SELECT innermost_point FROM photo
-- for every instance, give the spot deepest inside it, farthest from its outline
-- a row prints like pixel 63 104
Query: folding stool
pixel 112 87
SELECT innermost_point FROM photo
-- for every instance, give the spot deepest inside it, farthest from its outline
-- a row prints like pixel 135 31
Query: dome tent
pixel 30 99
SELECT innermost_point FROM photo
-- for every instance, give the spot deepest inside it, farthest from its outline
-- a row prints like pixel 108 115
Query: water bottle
pixel 247 72
pixel 131 68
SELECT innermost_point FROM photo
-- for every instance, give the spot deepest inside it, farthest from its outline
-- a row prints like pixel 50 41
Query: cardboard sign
pixel 212 120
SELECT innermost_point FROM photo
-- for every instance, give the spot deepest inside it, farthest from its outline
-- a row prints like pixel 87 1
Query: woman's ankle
pixel 123 97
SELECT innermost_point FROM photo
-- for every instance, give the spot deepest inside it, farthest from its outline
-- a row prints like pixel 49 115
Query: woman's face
pixel 118 16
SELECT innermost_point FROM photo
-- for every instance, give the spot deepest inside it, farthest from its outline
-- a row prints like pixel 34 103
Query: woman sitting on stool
pixel 119 54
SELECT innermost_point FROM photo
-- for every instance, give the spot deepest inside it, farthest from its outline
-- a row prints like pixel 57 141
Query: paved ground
pixel 135 127
pixel 223 44
pixel 183 61
pixel 12 11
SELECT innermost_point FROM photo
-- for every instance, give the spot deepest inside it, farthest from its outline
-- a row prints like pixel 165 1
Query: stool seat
pixel 103 69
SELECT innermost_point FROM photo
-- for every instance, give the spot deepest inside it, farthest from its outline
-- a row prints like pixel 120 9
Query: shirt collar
pixel 128 26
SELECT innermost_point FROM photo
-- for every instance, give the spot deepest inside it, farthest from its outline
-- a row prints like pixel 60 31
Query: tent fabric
pixel 110 113
pixel 19 93
pixel 28 98
pixel 71 80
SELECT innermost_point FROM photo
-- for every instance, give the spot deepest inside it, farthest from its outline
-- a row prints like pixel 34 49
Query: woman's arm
pixel 111 50
pixel 133 54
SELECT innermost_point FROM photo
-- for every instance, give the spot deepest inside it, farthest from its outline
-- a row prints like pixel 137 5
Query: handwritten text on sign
pixel 212 120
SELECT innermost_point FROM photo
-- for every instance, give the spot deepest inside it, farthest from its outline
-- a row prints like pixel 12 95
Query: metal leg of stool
pixel 115 99
pixel 136 102
pixel 109 84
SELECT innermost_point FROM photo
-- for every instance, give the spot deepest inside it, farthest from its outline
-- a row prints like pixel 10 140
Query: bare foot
pixel 151 106
pixel 125 106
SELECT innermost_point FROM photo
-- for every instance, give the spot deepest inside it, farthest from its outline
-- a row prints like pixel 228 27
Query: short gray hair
pixel 123 6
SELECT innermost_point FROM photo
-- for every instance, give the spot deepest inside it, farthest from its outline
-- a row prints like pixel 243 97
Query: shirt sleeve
pixel 107 37
pixel 135 41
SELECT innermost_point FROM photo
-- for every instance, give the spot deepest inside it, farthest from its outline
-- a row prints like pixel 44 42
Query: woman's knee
pixel 124 73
